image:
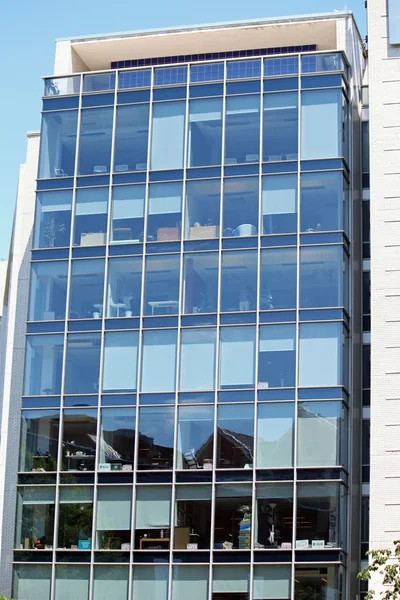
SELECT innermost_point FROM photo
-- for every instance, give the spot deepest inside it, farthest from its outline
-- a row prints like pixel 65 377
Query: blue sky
pixel 27 44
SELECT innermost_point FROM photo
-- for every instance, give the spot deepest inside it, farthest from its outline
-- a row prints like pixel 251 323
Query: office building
pixel 183 350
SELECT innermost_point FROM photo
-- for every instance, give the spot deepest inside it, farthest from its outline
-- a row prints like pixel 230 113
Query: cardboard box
pixel 204 232
pixel 168 234
pixel 93 239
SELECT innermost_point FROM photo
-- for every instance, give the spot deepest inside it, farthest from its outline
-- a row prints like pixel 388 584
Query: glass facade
pixel 186 382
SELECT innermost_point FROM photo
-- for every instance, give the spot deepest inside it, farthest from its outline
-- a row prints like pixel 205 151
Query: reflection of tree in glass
pixel 75 524
pixel 309 592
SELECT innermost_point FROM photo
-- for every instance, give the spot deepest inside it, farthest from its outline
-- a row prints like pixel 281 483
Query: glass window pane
pixel 321 130
pixel 72 582
pixel 322 202
pixel 231 579
pixel 320 354
pixel 87 289
pixel 150 582
pixel 190 582
pixel 162 285
pixel 127 213
pixel 156 438
pixel 275 434
pixel 320 434
pixel 75 518
pixel 235 436
pixel 153 515
pixel 120 361
pixel 35 518
pixel 205 132
pixel 242 69
pixel 195 436
pixel 117 436
pixel 170 75
pixel 91 207
pixel 124 287
pixel 277 356
pixel 58 144
pixel 318 514
pixel 200 288
pixel 134 79
pixel 131 138
pixel 202 209
pixel 61 86
pixel 43 364
pixel 168 131
pixel 240 216
pixel 111 581
pixel 242 137
pixel 279 204
pixel 197 368
pixel 48 291
pixel 278 279
pixel 193 523
pixel 83 363
pixel 211 72
pixel 318 582
pixel 233 510
pixel 165 212
pixel 321 62
pixel 32 582
pixel 39 440
pixel 95 141
pixel 113 519
pixel 281 66
pixel 53 219
pixel 239 281
pixel 321 276
pixel 79 439
pixel 281 117
pixel 98 82
pixel 274 516
pixel 159 361
pixel 237 358
pixel 272 582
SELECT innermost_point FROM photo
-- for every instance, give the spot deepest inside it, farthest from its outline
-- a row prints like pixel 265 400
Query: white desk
pixel 164 304
pixel 118 307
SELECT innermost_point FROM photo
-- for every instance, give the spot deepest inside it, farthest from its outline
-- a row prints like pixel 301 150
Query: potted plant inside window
pixel 52 228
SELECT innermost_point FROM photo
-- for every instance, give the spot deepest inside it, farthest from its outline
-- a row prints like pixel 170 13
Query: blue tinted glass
pixel 127 213
pixel 200 91
pixel 321 113
pixel 243 87
pixel 244 69
pixel 46 327
pixel 394 21
pixel 98 82
pixel 322 62
pixel 277 356
pixel 278 278
pixel 202 209
pixel 95 141
pixel 322 201
pixel 89 252
pixel 168 130
pixel 205 132
pixel 165 212
pixel 320 354
pixel 93 180
pixel 239 281
pixel 97 100
pixel 280 126
pixel 131 138
pixel 62 86
pixel 54 184
pixel 159 361
pixel 43 364
pixel 53 219
pixel 321 276
pixel 288 65
pixel 119 399
pixel 170 75
pixel 83 363
pixel 80 400
pixel 235 423
pixel 48 291
pixel 162 285
pixel 124 286
pixel 87 289
pixel 242 138
pixel 120 361
pixel 211 72
pixel 133 97
pixel 281 84
pixel 91 217
pixel 134 79
pixel 58 144
pixel 240 214
pixel 313 81
pixel 171 93
pixel 60 103
pixel 279 204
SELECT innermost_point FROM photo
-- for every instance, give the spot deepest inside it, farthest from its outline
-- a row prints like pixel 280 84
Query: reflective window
pixel 275 435
pixel 156 438
pixel 98 82
pixel 240 216
pixel 58 144
pixel 168 130
pixel 281 66
pixel 39 440
pixel 165 212
pixel 124 286
pixel 272 582
pixel 120 361
pixel 79 439
pixel 193 510
pixel 233 510
pixel 91 217
pixel 87 289
pixel 321 434
pixel 117 437
pixel 150 582
pixel 190 581
pixel 231 581
pixel 321 62
pixel 239 281
pixel 202 209
pixel 111 580
pixel 127 213
pixel 95 141
pixel 48 291
pixel 200 288
pixel 321 131
pixel 83 363
pixel 113 518
pixel 237 357
pixel 322 202
pixel 153 514
pixel 235 436
pixel 32 581
pixel 322 276
pixel 43 364
pixel 394 22
pixel 170 75
pixel 278 278
pixel 242 137
pixel 72 582
pixel 242 69
pixel 211 72
pixel 320 354
pixel 274 517
pixel 195 437
pixel 197 367
pixel 162 285
pixel 53 219
pixel 322 582
pixel 279 204
pixel 318 514
pixel 131 138
pixel 62 86
pixel 280 126
pixel 205 132
pixel 75 518
pixel 277 356
pixel 159 361
pixel 134 79
pixel 35 518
